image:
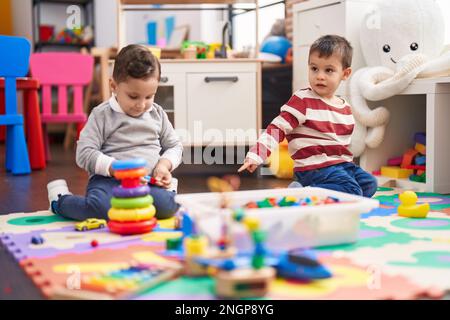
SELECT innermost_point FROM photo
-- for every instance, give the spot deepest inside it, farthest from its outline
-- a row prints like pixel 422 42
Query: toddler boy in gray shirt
pixel 128 125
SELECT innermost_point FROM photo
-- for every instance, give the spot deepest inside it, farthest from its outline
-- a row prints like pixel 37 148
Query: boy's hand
pixel 249 165
pixel 162 174
pixel 111 171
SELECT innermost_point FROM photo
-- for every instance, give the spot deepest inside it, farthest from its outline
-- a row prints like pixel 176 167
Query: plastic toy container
pixel 287 227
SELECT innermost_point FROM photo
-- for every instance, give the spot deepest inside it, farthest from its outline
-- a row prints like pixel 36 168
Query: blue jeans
pixel 345 177
pixel 97 201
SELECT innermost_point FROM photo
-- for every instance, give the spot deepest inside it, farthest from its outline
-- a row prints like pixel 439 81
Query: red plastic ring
pixel 126 228
pixel 131 183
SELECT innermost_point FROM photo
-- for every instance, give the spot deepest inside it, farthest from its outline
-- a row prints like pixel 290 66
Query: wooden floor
pixel 29 193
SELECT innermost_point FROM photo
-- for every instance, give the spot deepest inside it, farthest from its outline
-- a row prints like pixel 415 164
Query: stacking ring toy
pixel 131 214
pixel 130 174
pixel 129 164
pixel 131 203
pixel 125 228
pixel 120 192
pixel 131 183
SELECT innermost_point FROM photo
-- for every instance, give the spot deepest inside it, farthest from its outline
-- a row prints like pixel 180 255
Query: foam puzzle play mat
pixel 305 243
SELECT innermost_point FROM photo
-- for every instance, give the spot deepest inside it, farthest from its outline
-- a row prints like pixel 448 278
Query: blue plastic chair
pixel 14 60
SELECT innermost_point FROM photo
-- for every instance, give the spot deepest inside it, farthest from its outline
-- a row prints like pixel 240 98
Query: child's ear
pixel 347 73
pixel 112 85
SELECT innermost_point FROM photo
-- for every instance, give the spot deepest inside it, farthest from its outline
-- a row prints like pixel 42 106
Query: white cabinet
pixel 315 18
pixel 171 93
pixel 214 102
pixel 221 104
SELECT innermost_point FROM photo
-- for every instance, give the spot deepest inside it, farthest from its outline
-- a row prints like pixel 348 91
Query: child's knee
pixel 99 208
pixel 166 209
pixel 371 187
pixel 352 189
pixel 164 202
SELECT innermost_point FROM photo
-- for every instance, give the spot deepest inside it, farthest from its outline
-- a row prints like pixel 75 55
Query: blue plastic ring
pixel 129 164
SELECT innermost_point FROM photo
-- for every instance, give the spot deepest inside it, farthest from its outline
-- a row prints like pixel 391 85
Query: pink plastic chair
pixel 62 69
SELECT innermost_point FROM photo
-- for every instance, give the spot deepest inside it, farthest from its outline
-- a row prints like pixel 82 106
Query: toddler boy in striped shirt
pixel 318 126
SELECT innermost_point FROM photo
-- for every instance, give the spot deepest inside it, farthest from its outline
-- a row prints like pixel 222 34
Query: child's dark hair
pixel 137 62
pixel 330 44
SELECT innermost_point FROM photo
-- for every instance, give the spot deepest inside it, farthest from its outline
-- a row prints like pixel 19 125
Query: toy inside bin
pixel 288 227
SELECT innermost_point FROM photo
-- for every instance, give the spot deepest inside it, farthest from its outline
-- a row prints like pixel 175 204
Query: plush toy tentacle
pixel 437 67
pixel 358 143
pixel 375 136
pixel 361 111
pixel 380 83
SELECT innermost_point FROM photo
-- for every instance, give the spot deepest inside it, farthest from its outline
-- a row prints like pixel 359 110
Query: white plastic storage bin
pixel 287 227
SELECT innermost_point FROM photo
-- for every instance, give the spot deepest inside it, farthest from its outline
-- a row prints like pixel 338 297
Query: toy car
pixel 90 224
pixel 37 240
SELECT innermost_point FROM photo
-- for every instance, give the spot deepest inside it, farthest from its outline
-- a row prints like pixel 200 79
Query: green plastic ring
pixel 131 203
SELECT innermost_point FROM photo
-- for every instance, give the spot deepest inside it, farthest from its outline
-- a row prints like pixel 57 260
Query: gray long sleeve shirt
pixel 110 134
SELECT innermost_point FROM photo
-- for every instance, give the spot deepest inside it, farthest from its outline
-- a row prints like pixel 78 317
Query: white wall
pixel 105 23
pixel 445 5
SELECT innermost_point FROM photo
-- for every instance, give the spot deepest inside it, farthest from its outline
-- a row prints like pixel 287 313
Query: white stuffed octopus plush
pixel 400 40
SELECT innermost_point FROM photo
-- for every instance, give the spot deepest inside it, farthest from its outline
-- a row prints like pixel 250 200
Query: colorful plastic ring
pixel 120 192
pixel 130 174
pixel 131 203
pixel 129 164
pixel 125 228
pixel 132 214
pixel 131 183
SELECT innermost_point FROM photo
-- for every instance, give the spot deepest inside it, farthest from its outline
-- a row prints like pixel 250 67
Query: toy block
pixel 408 157
pixel 420 148
pixel 244 283
pixel 396 172
pixel 420 172
pixel 197 266
pixel 420 160
pixel 376 173
pixel 423 168
pixel 415 178
pixel 395 161
pixel 195 245
pixel 420 137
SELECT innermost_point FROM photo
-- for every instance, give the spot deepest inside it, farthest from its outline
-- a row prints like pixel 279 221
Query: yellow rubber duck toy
pixel 281 163
pixel 408 207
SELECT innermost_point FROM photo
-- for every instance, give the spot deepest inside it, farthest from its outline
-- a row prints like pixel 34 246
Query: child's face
pixel 135 96
pixel 326 73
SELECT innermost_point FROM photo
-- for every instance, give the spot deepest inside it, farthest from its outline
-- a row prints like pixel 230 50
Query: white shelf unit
pixel 214 95
pixel 147 5
pixel 423 106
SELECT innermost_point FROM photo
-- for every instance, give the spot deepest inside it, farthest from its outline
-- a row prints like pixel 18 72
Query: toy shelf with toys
pixel 292 217
pixel 422 107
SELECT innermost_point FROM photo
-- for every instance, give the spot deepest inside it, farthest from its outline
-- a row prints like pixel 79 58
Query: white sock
pixel 55 189
pixel 174 185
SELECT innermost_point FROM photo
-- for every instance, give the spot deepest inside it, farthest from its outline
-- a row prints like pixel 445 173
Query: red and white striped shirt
pixel 318 132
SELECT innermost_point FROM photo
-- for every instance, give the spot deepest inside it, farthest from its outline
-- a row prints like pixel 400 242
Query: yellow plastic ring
pixel 124 215
pixel 130 174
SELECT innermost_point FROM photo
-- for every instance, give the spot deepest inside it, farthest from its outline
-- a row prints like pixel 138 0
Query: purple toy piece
pixel 420 137
pixel 140 191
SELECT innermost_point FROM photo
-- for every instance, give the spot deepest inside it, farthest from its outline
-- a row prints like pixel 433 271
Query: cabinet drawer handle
pixel 164 79
pixel 211 79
